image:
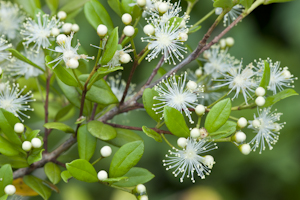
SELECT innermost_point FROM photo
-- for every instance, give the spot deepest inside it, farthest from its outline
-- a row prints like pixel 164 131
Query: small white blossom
pixel 188 160
pixel 119 57
pixel 172 92
pixel 267 130
pixel 12 100
pixel 231 15
pixel 4 55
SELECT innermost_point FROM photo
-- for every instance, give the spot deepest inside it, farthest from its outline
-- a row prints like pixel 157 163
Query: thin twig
pixel 154 72
pixel 137 128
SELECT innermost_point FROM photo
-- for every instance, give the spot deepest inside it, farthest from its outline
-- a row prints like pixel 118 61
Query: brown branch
pixel 154 72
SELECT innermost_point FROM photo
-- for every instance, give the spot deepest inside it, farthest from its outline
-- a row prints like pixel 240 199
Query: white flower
pixel 231 15
pixel 117 86
pixel 12 100
pixel 239 80
pixel 188 160
pixel 18 67
pixel 11 18
pixel 172 92
pixel 267 129
pixel 118 57
pixel 68 52
pixel 4 55
pixel 40 31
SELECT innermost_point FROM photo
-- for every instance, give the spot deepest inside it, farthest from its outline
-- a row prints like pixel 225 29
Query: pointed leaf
pixel 226 130
pixel 266 76
pixel 82 170
pixel 116 6
pixel 38 185
pixel 279 96
pixel 86 143
pixel 124 136
pixel 6 177
pixel 175 122
pixel 151 133
pixel 14 161
pixel 7 122
pixel 6 148
pixel 66 176
pixel 59 126
pixel 110 47
pixel 35 155
pixel 148 102
pixel 22 189
pixel 53 172
pixel 101 130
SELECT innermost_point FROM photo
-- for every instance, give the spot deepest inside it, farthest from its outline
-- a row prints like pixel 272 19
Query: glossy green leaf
pixel 65 113
pixel 126 7
pixel 73 5
pixel 14 161
pixel 226 130
pixel 38 185
pixel 6 148
pixel 59 126
pixel 103 71
pixel 275 1
pixel 53 172
pixel 148 102
pixel 279 96
pixel 195 29
pixel 136 175
pixel 35 155
pixel 4 197
pixel 223 4
pixel 30 135
pixel 124 136
pixel 18 55
pixel 266 76
pixel 125 158
pixel 66 176
pixel 29 6
pixel 151 133
pixel 86 143
pixel 175 122
pixel 6 177
pixel 113 180
pixel 7 122
pixel 82 170
pixel 53 5
pixel 246 3
pixel 101 130
pixel 96 14
pixel 116 6
pixel 110 47
pixel 218 115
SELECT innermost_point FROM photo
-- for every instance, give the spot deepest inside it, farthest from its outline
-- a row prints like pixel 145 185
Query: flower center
pixel 190 154
pixel 43 34
pixel 68 54
pixel 6 104
pixel 164 39
pixel 179 99
pixel 238 80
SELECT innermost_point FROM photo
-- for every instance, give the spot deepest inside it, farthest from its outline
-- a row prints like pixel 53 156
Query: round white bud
pixel 55 32
pixel 242 122
pixel 191 85
pixel 102 175
pixel 144 197
pixel 206 55
pixel 222 43
pixel 10 189
pixel 256 123
pixel 182 37
pixel 36 143
pixel 125 58
pixel 229 41
pixel 19 128
pixel 240 137
pixel 102 30
pixel 126 18
pixel 75 28
pixel 26 146
pixel 286 74
pixel 260 101
pixel 140 188
pixel 218 11
pixel 195 133
pixel 163 7
pixel 209 161
pixel 182 142
pixel 67 28
pixel 141 3
pixel 200 109
pixel 203 133
pixel 72 63
pixel 245 149
pixel 61 39
pixel 149 29
pixel 198 72
pixel 105 151
pixel 62 15
pixel 128 31
pixel 260 91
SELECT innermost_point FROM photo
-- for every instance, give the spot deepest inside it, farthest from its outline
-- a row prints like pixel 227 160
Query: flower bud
pixel 182 37
pixel 141 3
pixel 198 73
pixel 26 146
pixel 222 43
pixel 229 41
pixel 245 149
pixel 191 85
pixel 55 32
pixel 140 188
pixel 105 151
pixel 36 143
pixel 72 63
pixel 149 29
pixel 260 101
pixel 195 133
pixel 61 39
pixel 203 133
pixel 125 58
pixel 143 197
pixel 126 18
pixel 67 27
pixel 128 31
pixel 102 30
pixel 182 142
pixel 240 137
pixel 260 91
pixel 256 123
pixel 75 28
pixel 19 128
pixel 102 175
pixel 242 122
pixel 209 161
pixel 200 109
pixel 10 189
pixel 163 7
pixel 62 15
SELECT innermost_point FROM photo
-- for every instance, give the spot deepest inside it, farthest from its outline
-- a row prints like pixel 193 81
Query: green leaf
pixel 96 14
pixel 35 155
pixel 151 133
pixel 124 136
pixel 86 143
pixel 175 122
pixel 110 47
pixel 59 126
pixel 18 55
pixel 113 180
pixel 7 122
pixel 116 6
pixel 218 115
pixel 125 158
pixel 266 76
pixel 30 135
pixel 227 129
pixel 53 172
pixel 64 113
pixel 246 3
pixel 29 6
pixel 279 96
pixel 136 175
pixel 82 170
pixel 14 161
pixel 6 148
pixel 101 130
pixel 38 185
pixel 6 177
pixel 61 73
pixel 125 6
pixel 275 1
pixel 66 176
pixel 195 29
pixel 4 197
pixel 73 5
pixel 149 101
pixel 53 5
pixel 223 4
pixel 103 71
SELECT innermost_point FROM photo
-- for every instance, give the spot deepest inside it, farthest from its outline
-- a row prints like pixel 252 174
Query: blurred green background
pixel 270 31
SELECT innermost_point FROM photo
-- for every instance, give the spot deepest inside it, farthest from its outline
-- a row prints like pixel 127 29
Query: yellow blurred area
pixel 201 193
pixel 22 189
